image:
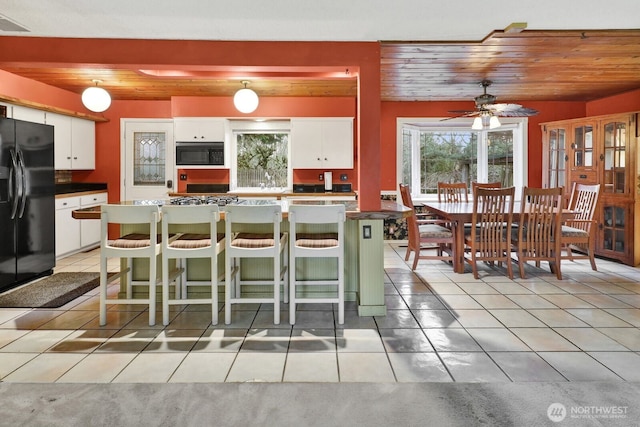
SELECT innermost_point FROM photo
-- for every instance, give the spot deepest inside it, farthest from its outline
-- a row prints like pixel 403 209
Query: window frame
pixel 519 126
pixel 256 127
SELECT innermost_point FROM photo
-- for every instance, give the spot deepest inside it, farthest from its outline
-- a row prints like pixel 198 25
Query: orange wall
pixel 361 58
pixel 622 103
pixel 375 120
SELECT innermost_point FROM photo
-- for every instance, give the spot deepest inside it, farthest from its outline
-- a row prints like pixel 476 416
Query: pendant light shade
pixel 246 100
pixel 96 98
pixel 477 124
pixel 494 122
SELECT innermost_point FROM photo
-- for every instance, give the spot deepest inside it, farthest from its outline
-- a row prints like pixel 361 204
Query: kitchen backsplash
pixel 63 176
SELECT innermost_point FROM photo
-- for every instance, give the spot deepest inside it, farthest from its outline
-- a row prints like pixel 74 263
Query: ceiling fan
pixel 487 112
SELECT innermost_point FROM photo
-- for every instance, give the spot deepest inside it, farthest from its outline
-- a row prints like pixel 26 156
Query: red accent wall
pixel 622 103
pixel 361 58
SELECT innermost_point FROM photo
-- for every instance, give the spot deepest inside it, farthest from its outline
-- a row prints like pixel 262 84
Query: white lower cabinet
pixel 74 235
pixel 90 228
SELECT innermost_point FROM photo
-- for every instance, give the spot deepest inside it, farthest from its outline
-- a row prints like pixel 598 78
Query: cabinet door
pixel 615 236
pixel 62 139
pixel 306 144
pixel 555 156
pixel 337 144
pixel 67 227
pixel 583 153
pixel 83 144
pixel 615 156
pixel 90 228
pixel 198 129
pixel 28 114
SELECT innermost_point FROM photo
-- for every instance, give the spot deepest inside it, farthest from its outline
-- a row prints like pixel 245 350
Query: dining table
pixel 459 214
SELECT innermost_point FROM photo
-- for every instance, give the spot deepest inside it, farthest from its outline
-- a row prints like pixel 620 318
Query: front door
pixel 147 159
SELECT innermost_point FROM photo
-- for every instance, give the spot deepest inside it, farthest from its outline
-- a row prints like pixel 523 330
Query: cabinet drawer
pixel 67 202
pixel 584 177
pixel 93 199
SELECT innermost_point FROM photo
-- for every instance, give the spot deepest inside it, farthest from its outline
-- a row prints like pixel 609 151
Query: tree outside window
pixel 432 154
pixel 262 160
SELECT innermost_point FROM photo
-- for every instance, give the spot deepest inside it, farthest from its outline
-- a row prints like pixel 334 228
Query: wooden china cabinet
pixel 604 150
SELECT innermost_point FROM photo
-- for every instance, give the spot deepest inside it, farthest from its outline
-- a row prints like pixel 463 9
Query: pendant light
pixel 246 100
pixel 96 98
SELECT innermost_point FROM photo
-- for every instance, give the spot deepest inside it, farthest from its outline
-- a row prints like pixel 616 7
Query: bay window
pixel 431 150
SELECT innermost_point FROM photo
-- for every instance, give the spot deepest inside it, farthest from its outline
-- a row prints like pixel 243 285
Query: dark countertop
pixel 79 187
pixel 388 209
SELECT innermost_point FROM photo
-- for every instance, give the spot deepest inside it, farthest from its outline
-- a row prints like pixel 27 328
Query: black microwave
pixel 199 153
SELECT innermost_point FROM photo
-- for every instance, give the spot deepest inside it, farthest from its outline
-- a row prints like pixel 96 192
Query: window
pixel 430 151
pixel 260 156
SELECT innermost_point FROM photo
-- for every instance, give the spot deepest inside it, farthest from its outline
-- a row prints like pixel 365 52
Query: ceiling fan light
pixel 246 100
pixel 477 123
pixel 494 122
pixel 96 99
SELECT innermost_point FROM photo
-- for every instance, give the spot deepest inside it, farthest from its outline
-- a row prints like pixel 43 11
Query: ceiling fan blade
pixel 510 110
pixel 463 114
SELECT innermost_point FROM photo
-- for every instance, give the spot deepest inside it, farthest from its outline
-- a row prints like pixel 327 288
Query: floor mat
pixel 50 292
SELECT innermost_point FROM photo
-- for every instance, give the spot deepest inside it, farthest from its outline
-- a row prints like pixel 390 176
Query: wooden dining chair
pixel 537 237
pixel 452 192
pixel 475 185
pixel 579 232
pixel 425 233
pixel 489 237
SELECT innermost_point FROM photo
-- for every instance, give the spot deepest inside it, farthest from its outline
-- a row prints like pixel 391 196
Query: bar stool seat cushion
pixel 253 240
pixel 317 240
pixel 194 241
pixel 133 240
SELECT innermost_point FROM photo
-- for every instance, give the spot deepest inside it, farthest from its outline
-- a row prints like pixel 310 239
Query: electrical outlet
pixel 321 177
pixel 366 231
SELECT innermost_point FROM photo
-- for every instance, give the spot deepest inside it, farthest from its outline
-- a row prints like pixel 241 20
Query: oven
pixel 199 153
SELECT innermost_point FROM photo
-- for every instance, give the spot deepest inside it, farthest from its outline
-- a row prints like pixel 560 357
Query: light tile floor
pixel 440 327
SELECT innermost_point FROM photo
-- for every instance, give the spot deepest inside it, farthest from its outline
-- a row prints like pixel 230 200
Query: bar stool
pixel 133 245
pixel 245 237
pixel 309 243
pixel 188 245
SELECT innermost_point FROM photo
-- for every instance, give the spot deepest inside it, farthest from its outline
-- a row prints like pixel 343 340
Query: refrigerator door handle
pixel 16 184
pixel 23 179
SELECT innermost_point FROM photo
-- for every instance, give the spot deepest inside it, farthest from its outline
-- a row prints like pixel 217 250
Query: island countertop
pixel 388 209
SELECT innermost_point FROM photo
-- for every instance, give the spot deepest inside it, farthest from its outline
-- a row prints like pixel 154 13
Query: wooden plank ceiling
pixel 530 65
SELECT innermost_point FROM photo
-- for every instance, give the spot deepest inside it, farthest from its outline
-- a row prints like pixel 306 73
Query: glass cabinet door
pixel 583 146
pixel 614 157
pixel 614 236
pixel 556 173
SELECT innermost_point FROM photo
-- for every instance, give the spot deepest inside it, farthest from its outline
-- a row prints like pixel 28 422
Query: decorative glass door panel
pixel 148 162
pixel 149 158
pixel 614 157
pixel 583 146
pixel 557 158
pixel 614 222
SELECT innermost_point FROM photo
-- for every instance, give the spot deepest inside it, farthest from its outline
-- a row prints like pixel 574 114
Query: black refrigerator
pixel 27 202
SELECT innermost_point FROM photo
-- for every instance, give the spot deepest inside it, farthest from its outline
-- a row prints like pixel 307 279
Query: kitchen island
pixel 364 250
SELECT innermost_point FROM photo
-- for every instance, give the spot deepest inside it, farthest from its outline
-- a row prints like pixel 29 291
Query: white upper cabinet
pixel 198 129
pixel 322 143
pixel 74 141
pixel 28 114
